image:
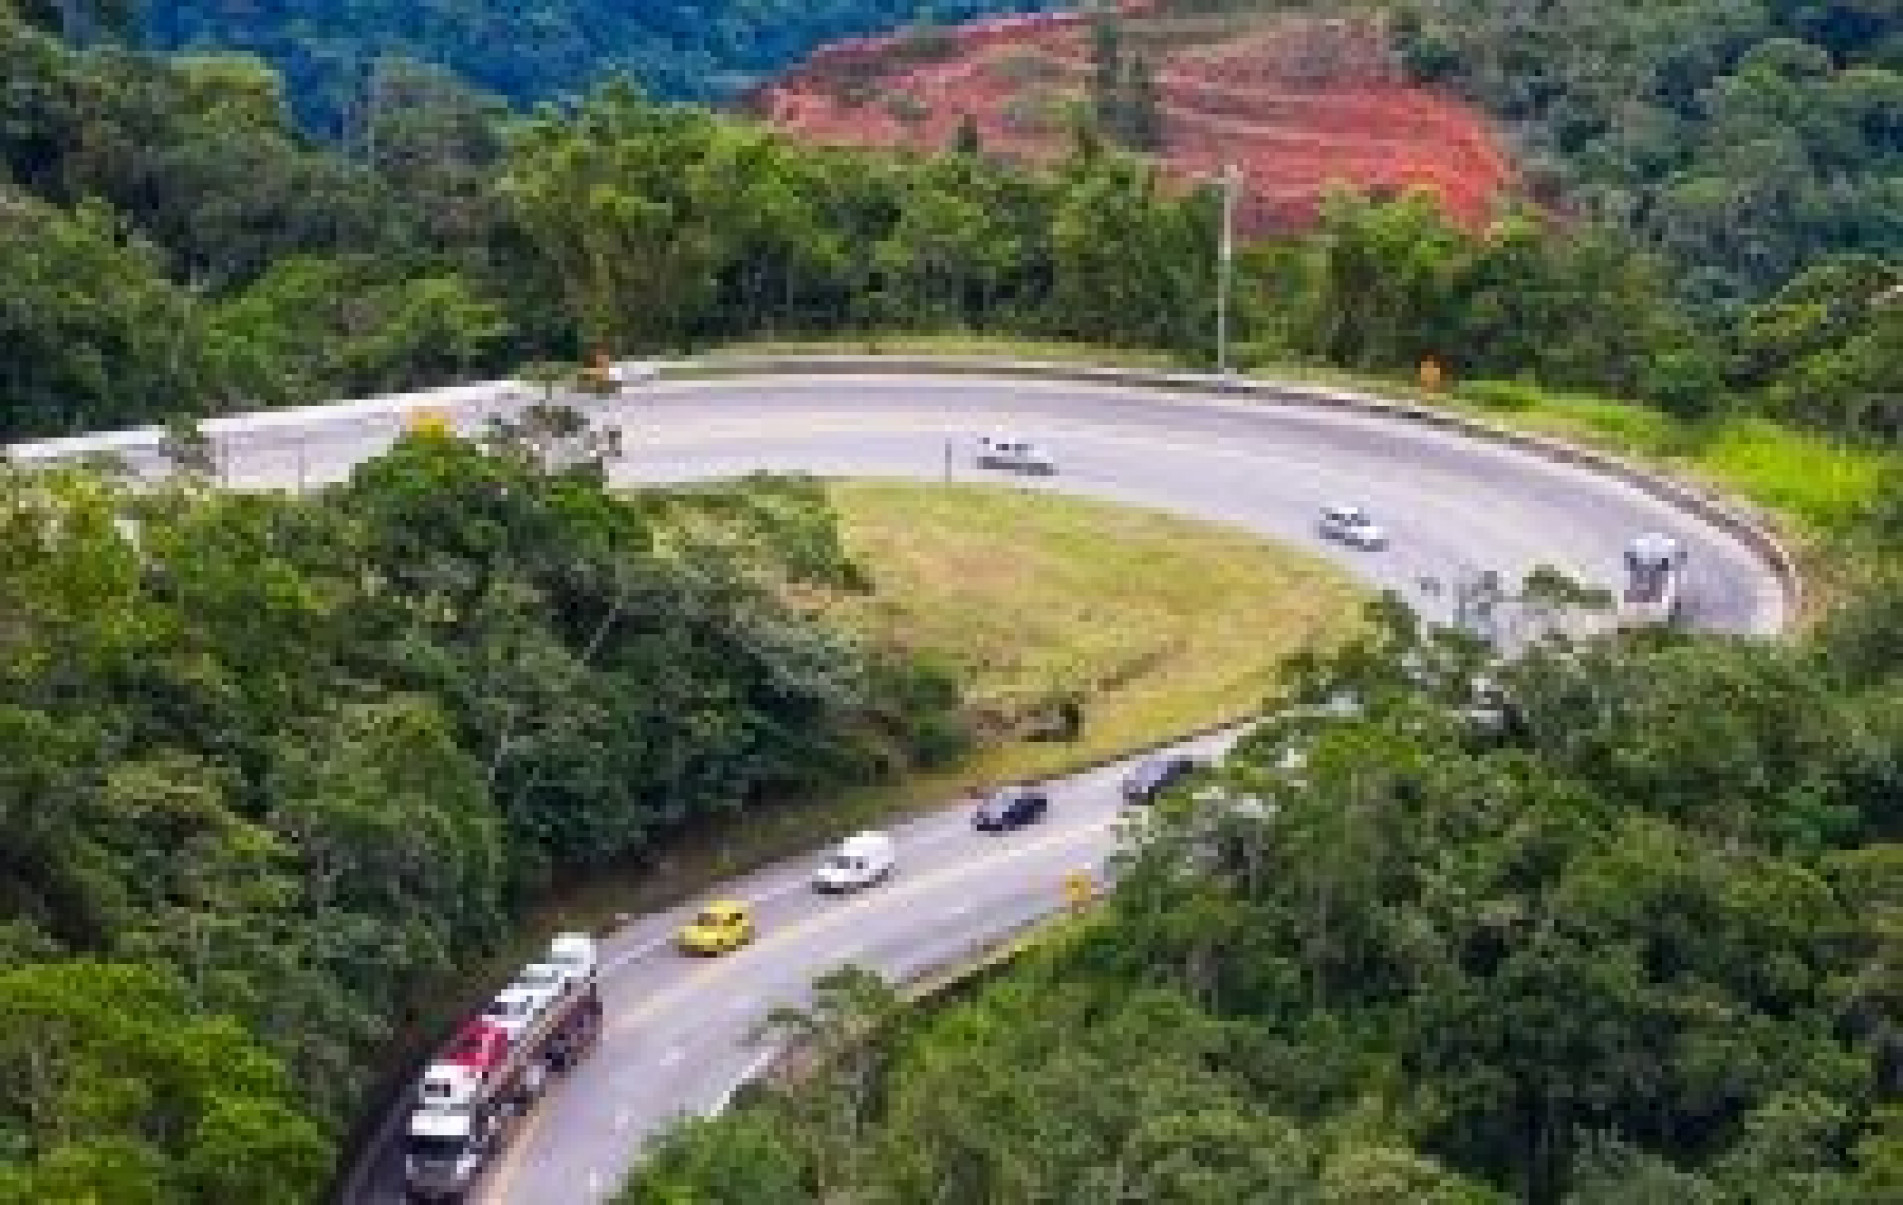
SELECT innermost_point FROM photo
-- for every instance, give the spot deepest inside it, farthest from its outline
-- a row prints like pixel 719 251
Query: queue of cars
pixel 867 859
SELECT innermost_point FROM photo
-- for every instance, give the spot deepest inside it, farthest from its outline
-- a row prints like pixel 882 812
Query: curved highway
pixel 676 1041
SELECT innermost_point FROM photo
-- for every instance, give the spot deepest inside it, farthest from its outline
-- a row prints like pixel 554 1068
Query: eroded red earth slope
pixel 1302 105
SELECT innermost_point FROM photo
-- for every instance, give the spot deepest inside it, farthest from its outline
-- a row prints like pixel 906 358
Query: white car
pixel 574 952
pixel 860 861
pixel 1016 455
pixel 1351 525
pixel 514 1010
pixel 548 979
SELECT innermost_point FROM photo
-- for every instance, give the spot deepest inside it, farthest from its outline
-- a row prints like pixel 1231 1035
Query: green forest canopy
pixel 275 769
pixel 1747 139
pixel 1637 942
pixel 329 50
pixel 250 266
pixel 272 766
pixel 1744 138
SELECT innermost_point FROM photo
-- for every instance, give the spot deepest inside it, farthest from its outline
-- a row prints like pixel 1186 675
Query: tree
pixel 74 363
pixel 120 1092
pixel 616 200
pixel 842 1038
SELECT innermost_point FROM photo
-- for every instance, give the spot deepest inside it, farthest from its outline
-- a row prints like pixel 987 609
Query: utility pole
pixel 1225 254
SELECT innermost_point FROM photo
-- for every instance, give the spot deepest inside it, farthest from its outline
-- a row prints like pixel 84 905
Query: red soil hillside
pixel 1302 105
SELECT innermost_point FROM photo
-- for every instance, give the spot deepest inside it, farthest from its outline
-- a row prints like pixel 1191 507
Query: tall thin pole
pixel 1225 254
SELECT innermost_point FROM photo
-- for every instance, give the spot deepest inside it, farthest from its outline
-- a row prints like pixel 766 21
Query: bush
pixel 1501 395
pixel 1823 483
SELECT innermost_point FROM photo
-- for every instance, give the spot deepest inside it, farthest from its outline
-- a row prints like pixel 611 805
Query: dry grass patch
pixel 1159 624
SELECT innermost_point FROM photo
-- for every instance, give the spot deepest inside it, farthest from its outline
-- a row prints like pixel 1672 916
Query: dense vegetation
pixel 273 766
pixel 1747 139
pixel 246 265
pixel 278 768
pixel 1629 933
pixel 334 54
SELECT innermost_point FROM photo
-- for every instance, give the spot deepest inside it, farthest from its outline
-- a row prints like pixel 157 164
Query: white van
pixel 860 861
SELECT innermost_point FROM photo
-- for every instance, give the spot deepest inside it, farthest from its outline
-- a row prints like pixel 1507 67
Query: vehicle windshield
pixel 434 1148
pixel 714 918
pixel 846 862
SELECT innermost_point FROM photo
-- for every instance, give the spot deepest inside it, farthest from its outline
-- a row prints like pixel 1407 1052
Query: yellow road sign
pixel 427 419
pixel 1079 888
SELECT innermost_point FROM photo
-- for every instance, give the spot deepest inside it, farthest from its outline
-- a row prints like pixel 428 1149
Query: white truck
pixel 1654 592
pixel 489 1076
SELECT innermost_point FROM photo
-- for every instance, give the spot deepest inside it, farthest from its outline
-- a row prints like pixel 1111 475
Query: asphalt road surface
pixel 677 1035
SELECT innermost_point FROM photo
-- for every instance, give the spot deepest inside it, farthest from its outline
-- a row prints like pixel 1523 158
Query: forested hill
pixel 693 49
pixel 1745 138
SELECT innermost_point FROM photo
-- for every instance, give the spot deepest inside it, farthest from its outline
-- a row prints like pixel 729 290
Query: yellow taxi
pixel 717 928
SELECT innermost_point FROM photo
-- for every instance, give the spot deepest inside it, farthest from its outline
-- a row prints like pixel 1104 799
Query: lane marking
pixel 921 840
pixel 622 959
pixel 782 891
pixel 499 1184
pixel 747 1076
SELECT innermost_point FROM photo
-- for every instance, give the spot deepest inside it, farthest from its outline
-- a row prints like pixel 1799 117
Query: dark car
pixel 1155 775
pixel 1013 807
